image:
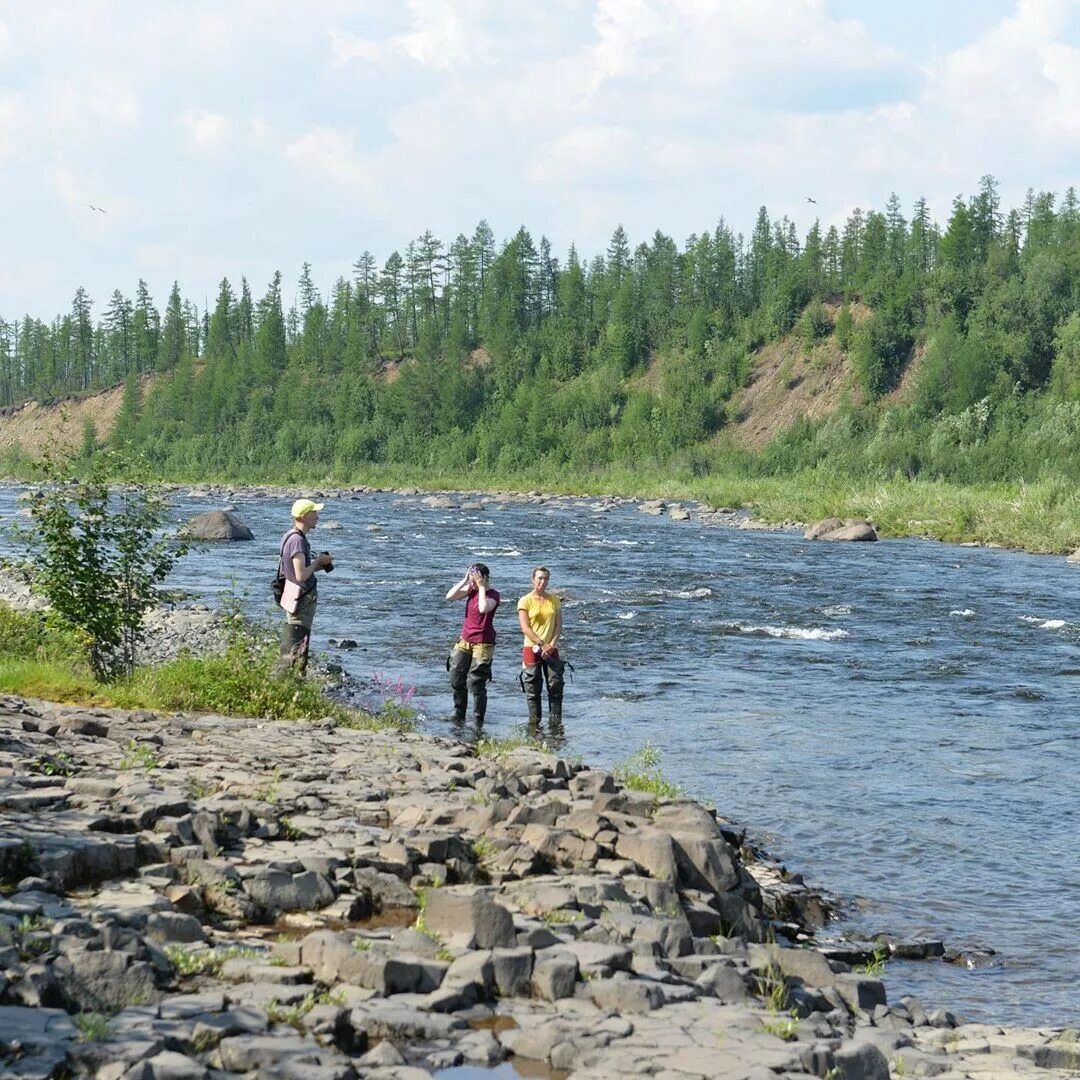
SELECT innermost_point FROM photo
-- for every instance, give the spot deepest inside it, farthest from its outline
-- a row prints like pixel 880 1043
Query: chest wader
pixel 468 675
pixel 295 645
pixel 530 684
pixel 296 633
pixel 554 671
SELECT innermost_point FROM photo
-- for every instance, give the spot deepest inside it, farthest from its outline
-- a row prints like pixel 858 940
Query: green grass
pixel 43 661
pixel 641 772
pixel 293 1015
pixel 29 937
pixel 562 916
pixel 875 966
pixel 188 962
pixel 482 849
pixel 782 1020
pixel 139 755
pixel 92 1027
pixel 51 680
pixel 496 749
pixel 783 1027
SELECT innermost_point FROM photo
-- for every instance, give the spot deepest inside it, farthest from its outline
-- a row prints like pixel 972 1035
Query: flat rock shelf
pixel 197 896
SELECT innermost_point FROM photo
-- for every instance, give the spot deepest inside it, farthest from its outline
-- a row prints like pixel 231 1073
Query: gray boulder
pixel 168 1065
pixel 104 981
pixel 827 525
pixel 855 530
pixel 277 891
pixel 861 1061
pixel 174 926
pixel 554 976
pixel 471 919
pixel 217 525
pixel 835 529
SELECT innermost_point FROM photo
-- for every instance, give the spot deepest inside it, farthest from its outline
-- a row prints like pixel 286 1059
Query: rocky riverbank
pixel 205 897
pixel 681 511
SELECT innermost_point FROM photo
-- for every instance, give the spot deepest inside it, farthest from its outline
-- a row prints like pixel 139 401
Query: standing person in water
pixel 298 566
pixel 470 659
pixel 540 618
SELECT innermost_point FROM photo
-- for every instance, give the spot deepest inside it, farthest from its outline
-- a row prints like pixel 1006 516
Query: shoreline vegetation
pixel 231 671
pixel 1042 517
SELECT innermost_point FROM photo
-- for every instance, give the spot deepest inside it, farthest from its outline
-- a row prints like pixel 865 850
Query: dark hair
pixel 540 569
pixel 482 570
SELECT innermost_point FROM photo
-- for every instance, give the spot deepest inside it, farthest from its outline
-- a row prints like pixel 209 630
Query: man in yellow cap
pixel 298 566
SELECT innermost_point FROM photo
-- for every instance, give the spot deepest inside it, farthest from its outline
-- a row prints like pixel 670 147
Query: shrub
pixel 100 557
pixel 814 324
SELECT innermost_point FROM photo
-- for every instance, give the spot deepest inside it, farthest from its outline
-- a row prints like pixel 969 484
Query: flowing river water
pixel 896 721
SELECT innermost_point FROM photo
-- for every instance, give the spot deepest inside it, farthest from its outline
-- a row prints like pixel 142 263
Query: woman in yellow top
pixel 540 618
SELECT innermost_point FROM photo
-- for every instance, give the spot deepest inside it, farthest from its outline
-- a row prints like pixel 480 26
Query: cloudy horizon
pixel 236 140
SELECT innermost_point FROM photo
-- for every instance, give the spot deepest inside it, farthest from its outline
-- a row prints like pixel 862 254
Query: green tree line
pixel 481 355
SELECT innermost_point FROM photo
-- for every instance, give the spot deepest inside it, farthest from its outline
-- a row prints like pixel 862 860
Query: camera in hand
pixel 328 569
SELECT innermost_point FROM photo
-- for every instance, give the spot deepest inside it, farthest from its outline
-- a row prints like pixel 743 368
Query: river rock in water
pixel 216 525
pixel 835 529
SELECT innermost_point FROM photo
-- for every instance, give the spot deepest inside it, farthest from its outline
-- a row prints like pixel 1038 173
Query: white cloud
pixel 585 155
pixel 89 109
pixel 13 109
pixel 623 29
pixel 441 37
pixel 206 130
pixel 566 116
pixel 1010 97
pixel 331 154
pixel 698 44
pixel 1061 66
pixel 346 47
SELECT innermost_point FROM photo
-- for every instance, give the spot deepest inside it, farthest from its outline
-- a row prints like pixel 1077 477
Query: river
pixel 896 721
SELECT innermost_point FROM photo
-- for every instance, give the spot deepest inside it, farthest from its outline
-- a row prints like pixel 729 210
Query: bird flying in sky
pixel 97 208
pixel 814 201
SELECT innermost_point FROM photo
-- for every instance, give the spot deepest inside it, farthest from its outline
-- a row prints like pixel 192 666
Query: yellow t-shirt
pixel 541 612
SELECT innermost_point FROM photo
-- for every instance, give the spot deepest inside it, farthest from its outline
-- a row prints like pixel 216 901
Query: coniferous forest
pixel 487 359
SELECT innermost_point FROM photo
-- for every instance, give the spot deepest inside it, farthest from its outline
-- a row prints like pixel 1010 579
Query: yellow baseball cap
pixel 304 506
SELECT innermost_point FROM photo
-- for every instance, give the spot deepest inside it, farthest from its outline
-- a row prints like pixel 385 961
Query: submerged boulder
pixel 216 525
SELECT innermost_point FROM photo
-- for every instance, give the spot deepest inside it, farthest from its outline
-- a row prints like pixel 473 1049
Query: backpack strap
pixel 281 552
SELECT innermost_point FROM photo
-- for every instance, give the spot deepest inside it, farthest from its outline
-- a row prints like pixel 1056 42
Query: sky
pixel 229 138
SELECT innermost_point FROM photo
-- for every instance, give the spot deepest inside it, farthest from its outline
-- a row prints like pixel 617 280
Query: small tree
pixel 100 555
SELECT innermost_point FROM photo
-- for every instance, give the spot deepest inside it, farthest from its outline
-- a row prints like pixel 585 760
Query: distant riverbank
pixel 1042 517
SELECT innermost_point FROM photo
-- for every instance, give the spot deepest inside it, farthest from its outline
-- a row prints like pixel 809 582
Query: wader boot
pixel 530 683
pixel 553 673
pixel 479 676
pixel 555 693
pixel 295 641
pixel 458 666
